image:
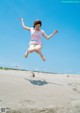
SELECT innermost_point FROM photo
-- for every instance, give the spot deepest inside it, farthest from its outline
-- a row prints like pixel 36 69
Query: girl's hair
pixel 37 22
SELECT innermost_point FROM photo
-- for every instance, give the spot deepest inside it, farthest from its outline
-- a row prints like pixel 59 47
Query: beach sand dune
pixel 21 92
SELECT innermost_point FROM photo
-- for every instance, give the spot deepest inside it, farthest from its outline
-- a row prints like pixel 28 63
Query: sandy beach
pixel 20 92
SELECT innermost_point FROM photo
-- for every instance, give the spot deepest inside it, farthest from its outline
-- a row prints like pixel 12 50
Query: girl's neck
pixel 37 29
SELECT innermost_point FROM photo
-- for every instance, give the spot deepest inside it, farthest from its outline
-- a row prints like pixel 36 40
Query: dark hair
pixel 37 22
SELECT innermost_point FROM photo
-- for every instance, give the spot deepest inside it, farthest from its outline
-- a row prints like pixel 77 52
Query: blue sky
pixel 62 51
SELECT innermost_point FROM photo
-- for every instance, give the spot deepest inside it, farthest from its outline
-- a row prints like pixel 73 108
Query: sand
pixel 20 92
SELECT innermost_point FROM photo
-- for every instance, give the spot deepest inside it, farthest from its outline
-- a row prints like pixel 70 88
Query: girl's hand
pixel 55 31
pixel 21 19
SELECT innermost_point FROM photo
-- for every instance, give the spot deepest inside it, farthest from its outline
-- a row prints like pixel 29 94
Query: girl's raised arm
pixel 48 37
pixel 25 27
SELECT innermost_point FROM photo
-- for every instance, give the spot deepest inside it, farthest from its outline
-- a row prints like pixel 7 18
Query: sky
pixel 62 51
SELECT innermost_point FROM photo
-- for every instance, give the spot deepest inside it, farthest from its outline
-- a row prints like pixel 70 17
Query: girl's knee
pixel 37 51
pixel 32 50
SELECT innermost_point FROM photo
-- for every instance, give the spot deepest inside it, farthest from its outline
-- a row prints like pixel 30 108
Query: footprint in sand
pixel 76 89
pixel 69 84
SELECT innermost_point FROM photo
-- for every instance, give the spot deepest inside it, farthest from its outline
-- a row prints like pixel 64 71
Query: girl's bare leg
pixel 26 54
pixel 41 55
pixel 30 50
pixel 36 49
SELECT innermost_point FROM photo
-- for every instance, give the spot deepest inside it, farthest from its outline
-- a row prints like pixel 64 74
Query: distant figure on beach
pixel 35 44
pixel 33 74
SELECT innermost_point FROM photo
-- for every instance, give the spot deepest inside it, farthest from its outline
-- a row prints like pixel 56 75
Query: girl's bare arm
pixel 48 37
pixel 23 25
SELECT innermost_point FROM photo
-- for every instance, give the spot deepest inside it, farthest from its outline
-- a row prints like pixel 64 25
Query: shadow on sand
pixel 41 82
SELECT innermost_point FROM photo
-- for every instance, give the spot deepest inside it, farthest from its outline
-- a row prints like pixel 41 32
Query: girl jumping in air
pixel 35 44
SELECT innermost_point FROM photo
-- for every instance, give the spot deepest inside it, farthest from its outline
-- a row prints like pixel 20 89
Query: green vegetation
pixel 6 68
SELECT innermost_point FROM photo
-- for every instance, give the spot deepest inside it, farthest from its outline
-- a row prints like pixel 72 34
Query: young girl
pixel 35 42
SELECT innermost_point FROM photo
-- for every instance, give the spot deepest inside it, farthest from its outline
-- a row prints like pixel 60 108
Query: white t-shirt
pixel 36 36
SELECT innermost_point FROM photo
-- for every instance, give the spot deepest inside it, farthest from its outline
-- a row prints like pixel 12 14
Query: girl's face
pixel 37 26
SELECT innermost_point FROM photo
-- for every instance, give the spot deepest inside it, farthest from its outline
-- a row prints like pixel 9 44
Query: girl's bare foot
pixel 26 54
pixel 44 59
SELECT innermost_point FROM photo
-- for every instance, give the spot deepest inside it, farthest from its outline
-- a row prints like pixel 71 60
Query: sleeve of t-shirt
pixel 42 31
pixel 31 28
